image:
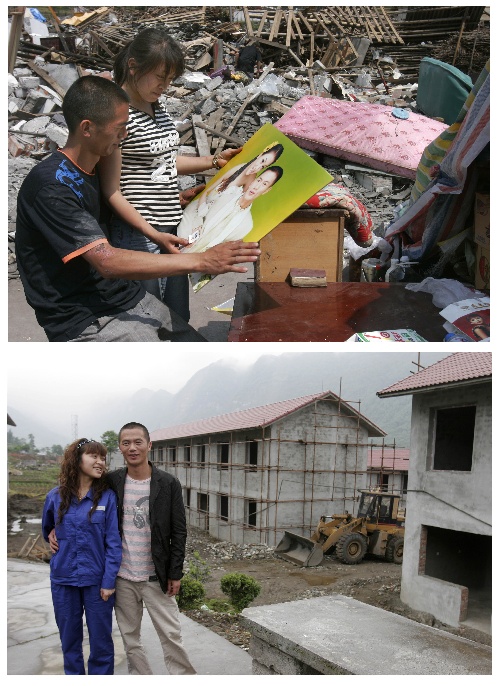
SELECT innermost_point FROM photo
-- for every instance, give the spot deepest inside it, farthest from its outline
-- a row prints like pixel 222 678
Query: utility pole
pixel 74 426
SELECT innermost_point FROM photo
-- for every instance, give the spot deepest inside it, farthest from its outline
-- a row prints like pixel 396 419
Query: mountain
pixel 44 436
pixel 223 387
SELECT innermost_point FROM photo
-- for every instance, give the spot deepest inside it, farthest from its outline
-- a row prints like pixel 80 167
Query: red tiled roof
pixel 257 417
pixel 389 459
pixel 457 369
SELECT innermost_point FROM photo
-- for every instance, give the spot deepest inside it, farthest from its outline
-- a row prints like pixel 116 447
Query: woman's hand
pixel 186 196
pixel 168 242
pixel 106 593
pixel 53 544
pixel 226 155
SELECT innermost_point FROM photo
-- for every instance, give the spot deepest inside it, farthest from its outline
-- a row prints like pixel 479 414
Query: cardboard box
pixel 308 239
pixel 482 275
pixel 482 220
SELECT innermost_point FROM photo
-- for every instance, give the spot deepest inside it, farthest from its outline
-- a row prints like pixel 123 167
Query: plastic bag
pixel 364 80
pixel 356 251
pixel 444 291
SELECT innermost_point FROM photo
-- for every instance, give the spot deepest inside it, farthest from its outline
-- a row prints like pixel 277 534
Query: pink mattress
pixel 361 132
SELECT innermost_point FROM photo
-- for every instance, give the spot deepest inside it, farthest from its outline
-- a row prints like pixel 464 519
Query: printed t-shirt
pixel 58 209
pixel 137 561
pixel 149 173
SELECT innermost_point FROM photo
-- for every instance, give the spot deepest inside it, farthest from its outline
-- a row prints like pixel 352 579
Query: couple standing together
pixel 123 531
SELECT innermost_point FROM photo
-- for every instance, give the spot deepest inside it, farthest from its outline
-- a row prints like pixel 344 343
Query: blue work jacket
pixel 90 551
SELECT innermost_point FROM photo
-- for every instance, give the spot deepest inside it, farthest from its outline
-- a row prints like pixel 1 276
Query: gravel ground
pixel 374 581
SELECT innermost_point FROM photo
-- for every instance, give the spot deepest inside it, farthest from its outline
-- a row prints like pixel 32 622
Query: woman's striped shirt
pixel 149 174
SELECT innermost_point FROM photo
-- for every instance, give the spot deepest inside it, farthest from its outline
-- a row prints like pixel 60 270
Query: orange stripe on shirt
pixel 85 248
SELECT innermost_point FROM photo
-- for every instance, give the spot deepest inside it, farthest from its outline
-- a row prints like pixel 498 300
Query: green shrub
pixel 198 569
pixel 240 588
pixel 191 594
pixel 218 605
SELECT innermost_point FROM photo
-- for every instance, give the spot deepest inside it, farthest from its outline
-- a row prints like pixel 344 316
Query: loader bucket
pixel 299 550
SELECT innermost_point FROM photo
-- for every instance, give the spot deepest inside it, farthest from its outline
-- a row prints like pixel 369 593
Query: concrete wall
pixel 447 499
pixel 308 464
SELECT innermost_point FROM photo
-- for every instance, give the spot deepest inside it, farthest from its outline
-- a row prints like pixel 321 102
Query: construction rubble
pixel 353 54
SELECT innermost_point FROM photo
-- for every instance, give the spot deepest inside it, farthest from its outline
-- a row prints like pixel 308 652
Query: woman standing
pixel 83 511
pixel 139 180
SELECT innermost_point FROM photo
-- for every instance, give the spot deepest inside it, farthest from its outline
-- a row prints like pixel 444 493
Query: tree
pixel 32 447
pixel 110 440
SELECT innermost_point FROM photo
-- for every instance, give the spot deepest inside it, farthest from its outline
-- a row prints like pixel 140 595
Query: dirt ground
pixel 374 581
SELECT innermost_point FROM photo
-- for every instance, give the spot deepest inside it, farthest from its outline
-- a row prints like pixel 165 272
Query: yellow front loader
pixel 378 529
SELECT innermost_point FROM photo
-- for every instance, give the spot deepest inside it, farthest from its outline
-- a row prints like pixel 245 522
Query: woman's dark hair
pixel 278 149
pixel 69 476
pixel 94 98
pixel 151 48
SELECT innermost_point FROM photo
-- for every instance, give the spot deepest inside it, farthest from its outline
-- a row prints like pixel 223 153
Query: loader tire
pixel 394 550
pixel 351 548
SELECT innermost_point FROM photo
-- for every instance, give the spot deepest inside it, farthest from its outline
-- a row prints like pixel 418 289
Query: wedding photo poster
pixel 260 187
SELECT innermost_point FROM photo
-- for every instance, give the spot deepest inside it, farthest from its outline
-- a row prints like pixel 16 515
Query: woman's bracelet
pixel 215 160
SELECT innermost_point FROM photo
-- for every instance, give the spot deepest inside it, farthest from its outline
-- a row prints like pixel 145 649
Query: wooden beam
pixel 101 43
pixel 16 30
pixel 297 27
pixel 220 134
pixel 289 26
pixel 294 56
pixel 262 22
pixel 276 24
pixel 58 29
pixel 46 77
pixel 248 22
pixel 387 18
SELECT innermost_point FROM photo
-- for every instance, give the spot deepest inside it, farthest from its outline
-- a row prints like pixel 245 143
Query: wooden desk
pixel 279 312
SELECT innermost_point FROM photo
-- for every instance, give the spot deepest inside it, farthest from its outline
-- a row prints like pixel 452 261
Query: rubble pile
pixel 216 552
pixel 347 53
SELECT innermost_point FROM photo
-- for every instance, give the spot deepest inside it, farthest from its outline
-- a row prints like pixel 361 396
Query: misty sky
pixel 61 382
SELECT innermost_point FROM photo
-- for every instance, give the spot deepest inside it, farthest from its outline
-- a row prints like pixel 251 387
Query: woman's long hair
pixel 151 49
pixel 277 149
pixel 69 476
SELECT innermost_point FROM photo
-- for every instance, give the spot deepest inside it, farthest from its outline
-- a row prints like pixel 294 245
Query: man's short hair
pixel 94 98
pixel 134 425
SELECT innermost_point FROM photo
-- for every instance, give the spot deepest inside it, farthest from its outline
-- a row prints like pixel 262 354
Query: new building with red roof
pixel 248 476
pixel 447 565
pixel 388 469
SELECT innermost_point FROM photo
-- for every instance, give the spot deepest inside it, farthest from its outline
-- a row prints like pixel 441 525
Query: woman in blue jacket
pixel 83 511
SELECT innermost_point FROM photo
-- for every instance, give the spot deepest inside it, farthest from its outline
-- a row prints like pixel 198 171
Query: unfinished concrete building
pixel 388 470
pixel 448 545
pixel 249 475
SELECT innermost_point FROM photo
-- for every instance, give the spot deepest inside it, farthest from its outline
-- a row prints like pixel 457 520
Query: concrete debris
pixel 222 551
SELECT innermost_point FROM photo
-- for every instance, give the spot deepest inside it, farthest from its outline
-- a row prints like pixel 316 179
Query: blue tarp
pixel 36 14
